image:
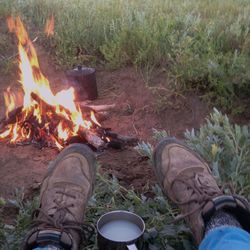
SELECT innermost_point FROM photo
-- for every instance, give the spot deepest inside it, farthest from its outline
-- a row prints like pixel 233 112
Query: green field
pixel 200 44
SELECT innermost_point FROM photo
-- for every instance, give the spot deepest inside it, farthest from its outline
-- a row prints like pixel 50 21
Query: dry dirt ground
pixel 135 115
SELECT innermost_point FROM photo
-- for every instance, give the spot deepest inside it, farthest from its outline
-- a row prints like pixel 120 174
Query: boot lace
pixel 41 217
pixel 199 189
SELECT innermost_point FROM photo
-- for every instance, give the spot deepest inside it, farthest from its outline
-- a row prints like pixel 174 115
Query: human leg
pixel 186 179
pixel 228 238
pixel 65 191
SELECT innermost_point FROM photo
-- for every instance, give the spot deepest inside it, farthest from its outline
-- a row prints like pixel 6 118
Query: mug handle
pixel 132 247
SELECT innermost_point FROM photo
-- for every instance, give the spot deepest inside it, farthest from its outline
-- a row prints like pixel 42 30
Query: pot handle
pixel 132 247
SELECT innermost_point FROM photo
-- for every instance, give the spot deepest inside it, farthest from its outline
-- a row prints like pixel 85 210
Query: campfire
pixel 44 118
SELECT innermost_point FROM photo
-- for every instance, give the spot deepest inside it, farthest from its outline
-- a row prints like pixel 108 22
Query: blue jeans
pixel 226 238
pixel 222 238
pixel 47 248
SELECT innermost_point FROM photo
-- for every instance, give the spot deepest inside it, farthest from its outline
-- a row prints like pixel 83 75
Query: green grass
pixel 201 44
pixel 7 46
pixel 224 145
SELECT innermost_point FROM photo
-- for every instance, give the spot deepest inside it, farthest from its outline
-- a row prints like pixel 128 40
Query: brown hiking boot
pixel 187 180
pixel 64 195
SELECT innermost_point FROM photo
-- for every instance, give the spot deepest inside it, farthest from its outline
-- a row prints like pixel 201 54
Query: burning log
pixel 48 108
pixel 35 132
pixel 12 116
pixel 42 102
pixel 93 139
pixel 114 140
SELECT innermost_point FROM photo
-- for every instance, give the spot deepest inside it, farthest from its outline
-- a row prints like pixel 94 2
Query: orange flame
pixel 62 133
pixel 6 133
pixel 33 82
pixel 9 100
pixel 50 26
pixel 59 146
pixel 15 133
pixel 93 118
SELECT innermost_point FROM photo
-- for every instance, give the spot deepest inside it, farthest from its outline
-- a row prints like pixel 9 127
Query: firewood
pixel 97 108
pixel 44 104
pixel 127 140
pixel 42 135
pixel 12 116
pixel 92 138
pixel 123 139
pixel 57 117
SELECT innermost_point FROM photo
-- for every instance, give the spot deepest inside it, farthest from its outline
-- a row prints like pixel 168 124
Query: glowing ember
pixel 43 116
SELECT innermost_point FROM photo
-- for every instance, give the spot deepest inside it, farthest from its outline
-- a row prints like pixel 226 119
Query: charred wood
pixel 92 138
pixel 127 140
pixel 12 117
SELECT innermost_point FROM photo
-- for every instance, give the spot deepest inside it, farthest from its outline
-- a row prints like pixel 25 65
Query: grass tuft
pixel 226 147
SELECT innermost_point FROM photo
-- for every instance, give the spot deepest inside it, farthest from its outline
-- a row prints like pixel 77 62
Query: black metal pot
pixel 83 79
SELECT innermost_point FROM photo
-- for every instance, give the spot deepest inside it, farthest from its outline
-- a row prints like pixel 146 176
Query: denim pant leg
pixel 49 247
pixel 226 238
